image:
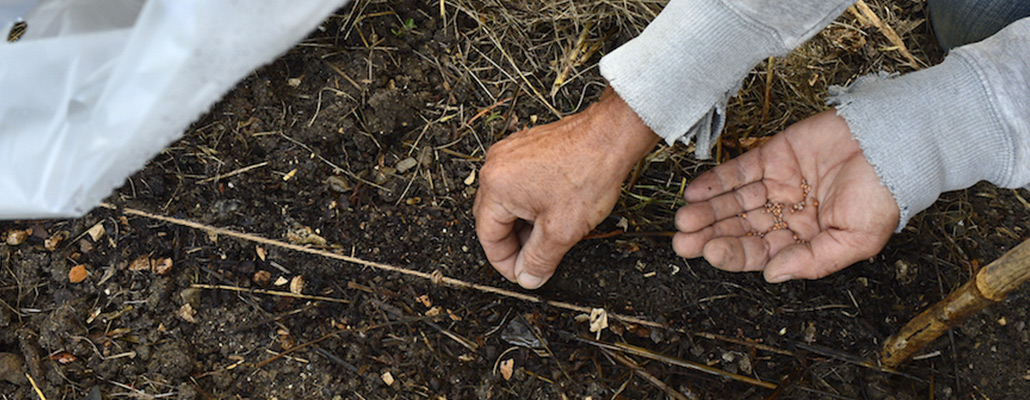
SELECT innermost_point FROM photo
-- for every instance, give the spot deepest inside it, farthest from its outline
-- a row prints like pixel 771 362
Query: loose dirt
pixel 364 141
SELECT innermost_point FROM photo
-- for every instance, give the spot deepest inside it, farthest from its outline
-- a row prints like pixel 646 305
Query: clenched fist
pixel 543 189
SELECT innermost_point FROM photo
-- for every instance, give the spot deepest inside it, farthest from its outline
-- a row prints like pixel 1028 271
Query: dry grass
pixel 545 53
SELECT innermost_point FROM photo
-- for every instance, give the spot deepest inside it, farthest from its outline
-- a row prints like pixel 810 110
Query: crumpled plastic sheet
pixel 95 88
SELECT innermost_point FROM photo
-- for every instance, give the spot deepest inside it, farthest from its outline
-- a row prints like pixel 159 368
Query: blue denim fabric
pixel 960 22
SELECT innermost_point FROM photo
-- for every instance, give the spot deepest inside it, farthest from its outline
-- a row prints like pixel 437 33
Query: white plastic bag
pixel 95 88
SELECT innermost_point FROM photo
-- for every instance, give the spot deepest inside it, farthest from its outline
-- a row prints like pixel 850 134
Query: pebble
pixel 338 184
pixel 406 164
pixel 262 278
pixel 16 236
pixel 12 369
pixel 78 273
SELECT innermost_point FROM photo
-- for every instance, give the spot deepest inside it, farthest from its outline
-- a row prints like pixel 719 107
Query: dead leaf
pixel 162 266
pixel 51 243
pixel 297 285
pixel 302 235
pixel 260 253
pixel 471 178
pixel 141 263
pixel 507 367
pixel 424 299
pixel 187 312
pixel 17 236
pixel 96 232
pixel 280 281
pixel 78 273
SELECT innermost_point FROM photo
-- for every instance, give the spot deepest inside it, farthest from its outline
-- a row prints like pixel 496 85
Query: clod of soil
pixel 12 369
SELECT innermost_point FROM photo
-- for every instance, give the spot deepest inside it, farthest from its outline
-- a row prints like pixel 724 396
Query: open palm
pixel 804 205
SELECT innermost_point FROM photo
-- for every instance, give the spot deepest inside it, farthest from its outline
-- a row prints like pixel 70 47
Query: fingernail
pixel 530 281
pixel 781 278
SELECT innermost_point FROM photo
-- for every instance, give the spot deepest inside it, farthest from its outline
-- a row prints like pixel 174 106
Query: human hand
pixel 751 213
pixel 543 189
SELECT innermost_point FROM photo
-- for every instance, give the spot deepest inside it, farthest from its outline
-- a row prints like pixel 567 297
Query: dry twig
pixel 435 277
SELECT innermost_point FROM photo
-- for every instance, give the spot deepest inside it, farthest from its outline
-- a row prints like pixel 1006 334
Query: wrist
pixel 927 132
pixel 621 132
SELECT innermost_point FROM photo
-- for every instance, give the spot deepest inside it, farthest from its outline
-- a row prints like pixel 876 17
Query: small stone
pixel 297 285
pixel 280 281
pixel 388 378
pixel 17 236
pixel 262 278
pixel 405 165
pixel 338 184
pixel 469 180
pixel 78 273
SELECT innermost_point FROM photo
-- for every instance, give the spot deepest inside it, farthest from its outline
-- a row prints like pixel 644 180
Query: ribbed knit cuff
pixel 680 72
pixel 927 132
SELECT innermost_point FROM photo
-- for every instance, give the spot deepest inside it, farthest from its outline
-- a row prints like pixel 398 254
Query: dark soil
pixel 329 127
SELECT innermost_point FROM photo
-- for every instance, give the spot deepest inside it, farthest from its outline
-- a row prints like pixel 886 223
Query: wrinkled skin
pixel 544 189
pixel 541 190
pixel 854 218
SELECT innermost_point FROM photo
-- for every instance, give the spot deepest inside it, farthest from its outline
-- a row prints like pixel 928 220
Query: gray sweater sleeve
pixel 680 72
pixel 949 126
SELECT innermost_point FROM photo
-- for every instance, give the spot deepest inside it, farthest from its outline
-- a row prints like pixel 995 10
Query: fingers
pixel 696 216
pixel 828 252
pixel 498 235
pixel 691 244
pixel 746 253
pixel 730 175
pixel 541 253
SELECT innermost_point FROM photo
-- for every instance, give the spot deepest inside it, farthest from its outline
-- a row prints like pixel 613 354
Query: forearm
pixel 680 72
pixel 949 126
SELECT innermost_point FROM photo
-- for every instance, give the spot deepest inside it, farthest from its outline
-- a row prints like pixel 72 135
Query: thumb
pixel 541 254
